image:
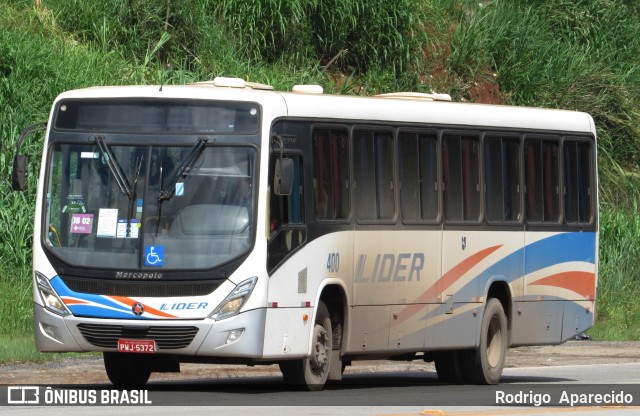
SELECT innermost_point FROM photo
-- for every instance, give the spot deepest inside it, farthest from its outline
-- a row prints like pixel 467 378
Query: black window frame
pixel 348 170
pixel 476 135
pixel 392 132
pixel 542 138
pixel 400 163
pixel 489 137
pixel 590 198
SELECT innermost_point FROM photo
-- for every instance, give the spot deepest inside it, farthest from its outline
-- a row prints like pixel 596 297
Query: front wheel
pixel 484 365
pixel 311 373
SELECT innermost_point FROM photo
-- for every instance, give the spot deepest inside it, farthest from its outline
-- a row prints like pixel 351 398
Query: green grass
pixel 21 348
pixel 579 55
pixel 618 310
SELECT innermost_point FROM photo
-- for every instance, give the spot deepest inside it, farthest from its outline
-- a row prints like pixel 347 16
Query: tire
pixel 449 366
pixel 484 364
pixel 311 373
pixel 126 369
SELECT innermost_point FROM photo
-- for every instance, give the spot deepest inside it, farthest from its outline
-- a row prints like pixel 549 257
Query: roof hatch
pixel 229 82
pixel 417 96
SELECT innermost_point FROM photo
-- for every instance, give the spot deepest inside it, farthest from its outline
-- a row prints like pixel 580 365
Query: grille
pixel 166 337
pixel 146 289
pixel 302 281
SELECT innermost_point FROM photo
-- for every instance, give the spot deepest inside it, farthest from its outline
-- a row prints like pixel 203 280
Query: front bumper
pixel 54 333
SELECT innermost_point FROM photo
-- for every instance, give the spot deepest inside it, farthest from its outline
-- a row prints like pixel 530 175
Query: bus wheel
pixel 125 369
pixel 484 365
pixel 449 366
pixel 311 373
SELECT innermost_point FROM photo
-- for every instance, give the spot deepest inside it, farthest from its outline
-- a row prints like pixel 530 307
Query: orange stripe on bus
pixel 68 301
pixel 447 279
pixel 583 283
pixel 131 302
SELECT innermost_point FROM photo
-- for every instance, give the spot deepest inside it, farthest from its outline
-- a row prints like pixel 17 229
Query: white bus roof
pixel 398 107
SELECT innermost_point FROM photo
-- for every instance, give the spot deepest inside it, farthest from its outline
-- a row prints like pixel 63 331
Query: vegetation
pixel 578 55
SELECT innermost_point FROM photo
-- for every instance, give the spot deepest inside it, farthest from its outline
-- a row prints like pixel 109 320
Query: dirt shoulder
pixel 90 370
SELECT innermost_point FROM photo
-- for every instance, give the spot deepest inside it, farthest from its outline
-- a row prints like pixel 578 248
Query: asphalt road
pixel 382 393
pixel 369 388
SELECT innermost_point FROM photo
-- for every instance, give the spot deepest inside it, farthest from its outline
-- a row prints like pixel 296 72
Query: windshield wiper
pixel 134 195
pixel 181 172
pixel 114 167
pixel 187 163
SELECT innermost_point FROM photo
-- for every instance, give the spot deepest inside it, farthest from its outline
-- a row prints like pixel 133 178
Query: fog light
pixel 234 335
pixel 48 330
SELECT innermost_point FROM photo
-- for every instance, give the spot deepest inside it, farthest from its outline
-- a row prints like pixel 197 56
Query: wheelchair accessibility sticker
pixel 154 255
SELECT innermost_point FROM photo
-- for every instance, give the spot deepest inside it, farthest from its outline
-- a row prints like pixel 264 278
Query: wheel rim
pixel 494 342
pixel 320 355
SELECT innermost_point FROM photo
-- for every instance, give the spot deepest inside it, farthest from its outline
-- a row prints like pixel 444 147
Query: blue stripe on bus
pixel 557 249
pixel 560 248
pixel 101 310
pixel 94 311
pixel 550 251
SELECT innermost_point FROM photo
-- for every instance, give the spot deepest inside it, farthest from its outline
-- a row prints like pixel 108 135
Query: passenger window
pixel 542 193
pixel 287 209
pixel 331 174
pixel 418 169
pixel 373 170
pixel 461 178
pixel 577 181
pixel 286 219
pixel 502 178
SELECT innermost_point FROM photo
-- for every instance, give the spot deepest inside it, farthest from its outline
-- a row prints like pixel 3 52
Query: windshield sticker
pixel 107 222
pixel 81 223
pixel 132 231
pixel 89 155
pixel 179 188
pixel 75 204
pixel 139 208
pixel 154 256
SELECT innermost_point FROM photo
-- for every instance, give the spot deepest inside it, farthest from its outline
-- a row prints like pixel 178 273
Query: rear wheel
pixel 126 369
pixel 484 365
pixel 311 373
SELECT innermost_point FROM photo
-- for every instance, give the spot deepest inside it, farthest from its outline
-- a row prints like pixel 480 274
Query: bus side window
pixel 286 221
pixel 373 167
pixel 542 192
pixel 418 176
pixel 577 181
pixel 330 174
pixel 461 177
pixel 288 209
pixel 502 178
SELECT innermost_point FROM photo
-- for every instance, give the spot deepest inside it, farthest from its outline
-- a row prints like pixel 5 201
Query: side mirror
pixel 19 174
pixel 283 176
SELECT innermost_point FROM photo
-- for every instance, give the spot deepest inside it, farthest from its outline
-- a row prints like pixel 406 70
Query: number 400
pixel 333 262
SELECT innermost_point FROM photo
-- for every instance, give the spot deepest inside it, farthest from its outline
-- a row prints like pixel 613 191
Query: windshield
pixel 149 207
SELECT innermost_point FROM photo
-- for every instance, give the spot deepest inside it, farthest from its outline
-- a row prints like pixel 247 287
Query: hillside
pixel 579 55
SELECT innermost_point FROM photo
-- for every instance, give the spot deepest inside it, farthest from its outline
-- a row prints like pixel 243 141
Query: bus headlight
pixel 231 304
pixel 49 296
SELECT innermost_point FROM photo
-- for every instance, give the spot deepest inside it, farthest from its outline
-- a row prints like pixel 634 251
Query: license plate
pixel 142 346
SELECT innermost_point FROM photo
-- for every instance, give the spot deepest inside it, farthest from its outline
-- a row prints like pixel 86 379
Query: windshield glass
pixel 149 207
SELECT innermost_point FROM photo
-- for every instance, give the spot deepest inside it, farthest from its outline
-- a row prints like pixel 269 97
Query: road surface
pixel 575 369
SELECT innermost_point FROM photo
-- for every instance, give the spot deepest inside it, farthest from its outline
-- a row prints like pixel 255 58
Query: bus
pixel 227 222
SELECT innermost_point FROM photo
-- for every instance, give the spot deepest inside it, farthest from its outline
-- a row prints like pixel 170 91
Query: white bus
pixel 225 222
